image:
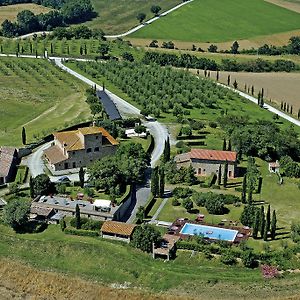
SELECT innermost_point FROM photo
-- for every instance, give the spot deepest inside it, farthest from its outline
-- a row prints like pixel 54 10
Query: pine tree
pixel 23 136
pixel 77 217
pixel 31 187
pixel 268 219
pixel 81 177
pixel 273 225
pixel 244 189
pixel 161 182
pixel 155 182
pixel 167 151
pixel 255 225
pixel 220 175
pixel 224 144
pixel 225 175
pixel 229 146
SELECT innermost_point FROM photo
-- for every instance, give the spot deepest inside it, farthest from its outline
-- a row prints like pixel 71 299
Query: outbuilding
pixel 117 231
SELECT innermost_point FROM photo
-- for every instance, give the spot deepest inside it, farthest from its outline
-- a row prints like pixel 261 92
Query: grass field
pixel 10 12
pixel 40 97
pixel 289 4
pixel 222 20
pixel 117 265
pixel 277 86
pixel 118 16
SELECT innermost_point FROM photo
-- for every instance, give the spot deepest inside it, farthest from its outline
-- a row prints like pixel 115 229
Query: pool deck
pixel 242 235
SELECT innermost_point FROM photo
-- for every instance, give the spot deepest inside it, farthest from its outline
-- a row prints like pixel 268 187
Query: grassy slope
pixel 10 12
pixel 41 98
pixel 222 20
pixel 108 262
pixel 118 16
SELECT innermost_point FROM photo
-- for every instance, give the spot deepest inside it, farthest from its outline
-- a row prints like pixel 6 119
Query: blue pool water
pixel 210 232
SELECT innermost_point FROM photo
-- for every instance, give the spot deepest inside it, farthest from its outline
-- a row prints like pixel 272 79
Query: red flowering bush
pixel 269 271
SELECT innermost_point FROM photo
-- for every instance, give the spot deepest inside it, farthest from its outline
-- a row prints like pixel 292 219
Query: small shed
pixel 274 167
pixel 41 213
pixel 117 231
pixel 166 248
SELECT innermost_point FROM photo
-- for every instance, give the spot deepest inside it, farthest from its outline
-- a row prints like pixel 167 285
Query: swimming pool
pixel 210 232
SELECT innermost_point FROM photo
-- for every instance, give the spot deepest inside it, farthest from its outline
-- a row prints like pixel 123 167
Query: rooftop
pixel 206 154
pixel 6 158
pixel 71 139
pixel 115 227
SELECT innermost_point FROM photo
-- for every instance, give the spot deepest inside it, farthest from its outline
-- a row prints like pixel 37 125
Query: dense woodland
pixel 65 13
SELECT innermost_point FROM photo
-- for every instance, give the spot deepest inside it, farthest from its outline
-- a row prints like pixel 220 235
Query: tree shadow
pixel 194 211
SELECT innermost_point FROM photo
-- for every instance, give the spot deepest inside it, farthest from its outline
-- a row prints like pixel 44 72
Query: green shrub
pixel 175 202
pixel 81 232
pixel 182 192
pixel 213 124
pixel 228 258
pixel 92 225
pixel 82 222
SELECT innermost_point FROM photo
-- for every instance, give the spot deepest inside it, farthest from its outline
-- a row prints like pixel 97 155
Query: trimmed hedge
pixel 125 195
pixel 81 232
pixel 195 143
pixel 151 145
pixel 150 202
pixel 189 246
pixel 192 137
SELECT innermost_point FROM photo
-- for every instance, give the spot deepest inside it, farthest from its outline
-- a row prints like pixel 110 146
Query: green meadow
pixel 221 20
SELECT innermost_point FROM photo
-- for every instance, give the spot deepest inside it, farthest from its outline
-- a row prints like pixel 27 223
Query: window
pixel 199 171
pixel 96 149
pixel 97 137
pixel 73 152
pixel 74 164
pixel 88 150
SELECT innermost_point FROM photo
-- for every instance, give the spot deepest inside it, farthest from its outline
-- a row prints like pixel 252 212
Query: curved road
pixel 132 30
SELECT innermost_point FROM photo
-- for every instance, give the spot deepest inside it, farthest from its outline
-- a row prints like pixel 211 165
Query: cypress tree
pixel 224 144
pixel 23 136
pixel 235 84
pixel 228 80
pixel 167 150
pixel 217 75
pixel 81 177
pixel 36 54
pixel 80 50
pixel 291 110
pixel 265 236
pixel 259 185
pixel 31 48
pixel 287 108
pixel 268 218
pixel 51 48
pixel 298 115
pixel 31 187
pixel 250 197
pixel 258 98
pixel 262 221
pixel 273 225
pixel 244 189
pixel 255 225
pixel 155 182
pixel 77 217
pixel 219 175
pixel 68 49
pixel 252 90
pixel 161 182
pixel 281 105
pixel 229 146
pixel 225 175
pixel 245 88
pixel 205 72
pixel 262 93
pixel 284 106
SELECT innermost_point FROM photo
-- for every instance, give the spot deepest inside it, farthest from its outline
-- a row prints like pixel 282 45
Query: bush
pixel 81 232
pixel 181 192
pixel 213 124
pixel 175 202
pixel 189 246
pixel 249 259
pixel 82 222
pixel 92 225
pixel 215 206
pixel 228 258
pixel 187 204
pixel 295 232
pixel 61 188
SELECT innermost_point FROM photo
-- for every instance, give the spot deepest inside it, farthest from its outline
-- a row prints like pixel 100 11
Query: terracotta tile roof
pixel 55 155
pixel 115 227
pixel 7 155
pixel 213 155
pixel 72 138
pixel 41 211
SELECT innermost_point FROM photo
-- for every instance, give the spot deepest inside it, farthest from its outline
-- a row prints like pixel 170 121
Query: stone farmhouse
pixel 8 164
pixel 205 162
pixel 78 148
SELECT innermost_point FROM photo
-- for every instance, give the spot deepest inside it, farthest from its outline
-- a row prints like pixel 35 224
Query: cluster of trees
pixel 94 102
pixel 181 175
pixel 192 61
pixel 293 47
pixel 77 32
pixel 157 89
pixel 155 9
pixel 289 167
pixel 113 173
pixel 65 13
pixel 260 138
pixel 260 221
pixel 288 108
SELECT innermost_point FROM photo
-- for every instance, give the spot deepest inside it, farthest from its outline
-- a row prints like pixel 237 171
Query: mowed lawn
pixel 118 16
pixel 37 95
pixel 222 20
pixel 10 12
